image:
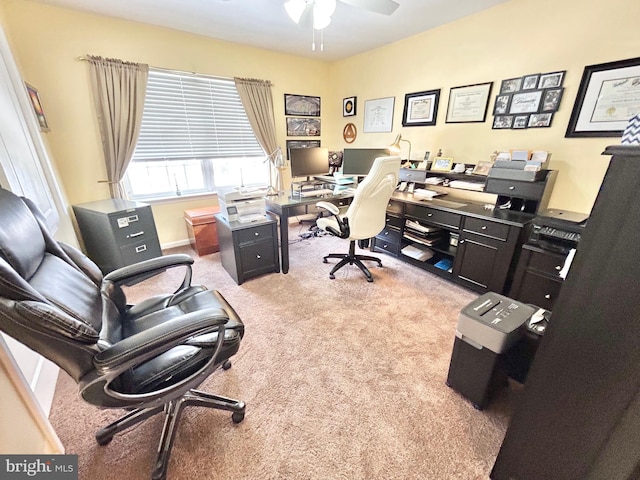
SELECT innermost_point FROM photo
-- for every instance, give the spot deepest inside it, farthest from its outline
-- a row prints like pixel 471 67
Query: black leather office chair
pixel 147 358
pixel 365 217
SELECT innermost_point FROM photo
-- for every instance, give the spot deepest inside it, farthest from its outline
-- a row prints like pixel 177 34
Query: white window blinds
pixel 190 116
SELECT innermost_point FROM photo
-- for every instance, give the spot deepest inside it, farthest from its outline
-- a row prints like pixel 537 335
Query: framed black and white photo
pixel 608 96
pixel 520 121
pixel 349 106
pixel 501 107
pixel 540 120
pixel 301 105
pixel 502 121
pixel 303 127
pixel 420 108
pixel 301 144
pixel 551 80
pixel 469 103
pixel 530 82
pixel 511 85
pixel 378 115
pixel 525 102
pixel 551 99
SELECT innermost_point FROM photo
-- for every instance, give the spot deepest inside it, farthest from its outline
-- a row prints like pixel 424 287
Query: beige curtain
pixel 118 90
pixel 258 103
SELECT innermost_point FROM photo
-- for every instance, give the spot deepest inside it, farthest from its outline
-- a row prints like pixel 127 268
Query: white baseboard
pixel 178 243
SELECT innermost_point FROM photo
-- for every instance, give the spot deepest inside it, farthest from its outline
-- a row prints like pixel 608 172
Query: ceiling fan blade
pixel 385 7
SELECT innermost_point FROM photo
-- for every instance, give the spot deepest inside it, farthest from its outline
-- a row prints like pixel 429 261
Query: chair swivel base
pixel 351 259
pixel 173 411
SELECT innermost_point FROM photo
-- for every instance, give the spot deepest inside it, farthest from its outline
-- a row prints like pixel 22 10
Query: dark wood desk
pixel 284 206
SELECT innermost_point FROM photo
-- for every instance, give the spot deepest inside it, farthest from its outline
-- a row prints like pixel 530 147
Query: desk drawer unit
pixel 389 240
pixel 248 250
pixel 486 228
pixel 117 233
pixel 441 218
pixel 514 188
pixel 537 279
pixel 411 175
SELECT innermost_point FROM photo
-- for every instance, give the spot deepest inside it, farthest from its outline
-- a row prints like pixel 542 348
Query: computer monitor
pixel 307 162
pixel 358 161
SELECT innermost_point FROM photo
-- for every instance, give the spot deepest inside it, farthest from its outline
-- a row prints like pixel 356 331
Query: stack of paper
pixel 419 252
pixel 464 185
pixel 434 180
pixel 424 193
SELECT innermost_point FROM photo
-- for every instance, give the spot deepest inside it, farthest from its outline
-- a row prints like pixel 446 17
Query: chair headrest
pixel 22 244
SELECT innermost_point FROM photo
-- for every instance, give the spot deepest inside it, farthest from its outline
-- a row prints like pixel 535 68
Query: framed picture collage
pixel 303 120
pixel 528 101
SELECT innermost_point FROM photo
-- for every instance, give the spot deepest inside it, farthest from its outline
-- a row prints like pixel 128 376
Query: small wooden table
pixel 203 233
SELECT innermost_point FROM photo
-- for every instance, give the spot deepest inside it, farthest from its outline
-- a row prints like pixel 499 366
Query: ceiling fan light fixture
pixel 324 8
pixel 321 21
pixel 295 9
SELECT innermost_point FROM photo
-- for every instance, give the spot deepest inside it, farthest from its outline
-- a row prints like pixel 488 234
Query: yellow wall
pixel 512 39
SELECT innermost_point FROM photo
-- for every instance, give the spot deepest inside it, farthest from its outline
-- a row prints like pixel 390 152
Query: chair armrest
pixel 150 343
pixel 153 265
pixel 330 207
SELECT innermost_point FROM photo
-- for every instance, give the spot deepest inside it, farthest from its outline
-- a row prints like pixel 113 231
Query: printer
pixel 242 204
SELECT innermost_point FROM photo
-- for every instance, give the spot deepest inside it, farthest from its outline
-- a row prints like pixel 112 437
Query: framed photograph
pixel 349 106
pixel 469 103
pixel 502 121
pixel 301 144
pixel 37 107
pixel 520 121
pixel 301 105
pixel 551 80
pixel 608 96
pixel 511 85
pixel 378 115
pixel 525 102
pixel 482 168
pixel 501 106
pixel 420 108
pixel 540 120
pixel 442 164
pixel 530 82
pixel 303 127
pixel 551 99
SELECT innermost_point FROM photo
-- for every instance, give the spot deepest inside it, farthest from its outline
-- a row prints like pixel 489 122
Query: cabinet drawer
pixel 394 207
pixel 382 245
pixel 539 290
pixel 513 188
pixel 412 175
pixel 486 228
pixel 546 262
pixel 257 256
pixel 389 235
pixel 132 226
pixel 256 234
pixel 438 217
pixel 139 251
pixel 392 221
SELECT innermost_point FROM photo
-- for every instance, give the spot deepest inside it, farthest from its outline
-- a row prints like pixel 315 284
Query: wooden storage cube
pixel 201 226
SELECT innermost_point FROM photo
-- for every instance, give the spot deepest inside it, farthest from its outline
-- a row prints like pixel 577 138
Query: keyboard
pixel 316 192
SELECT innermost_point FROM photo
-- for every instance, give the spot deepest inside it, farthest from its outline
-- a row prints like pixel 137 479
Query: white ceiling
pixel 264 23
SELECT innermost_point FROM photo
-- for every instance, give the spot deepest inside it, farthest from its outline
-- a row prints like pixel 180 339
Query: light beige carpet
pixel 343 379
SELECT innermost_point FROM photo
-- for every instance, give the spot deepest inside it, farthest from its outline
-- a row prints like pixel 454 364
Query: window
pixel 195 137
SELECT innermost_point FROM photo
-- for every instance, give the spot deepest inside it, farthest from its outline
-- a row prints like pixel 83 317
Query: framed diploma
pixel 378 115
pixel 609 95
pixel 420 108
pixel 469 104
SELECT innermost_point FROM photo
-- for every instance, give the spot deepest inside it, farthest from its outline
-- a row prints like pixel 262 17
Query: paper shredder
pixel 487 328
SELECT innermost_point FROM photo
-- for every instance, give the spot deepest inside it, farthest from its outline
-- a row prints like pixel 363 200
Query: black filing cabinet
pixel 248 249
pixel 117 232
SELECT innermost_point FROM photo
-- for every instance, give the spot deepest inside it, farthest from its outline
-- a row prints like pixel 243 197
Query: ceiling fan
pixel 321 10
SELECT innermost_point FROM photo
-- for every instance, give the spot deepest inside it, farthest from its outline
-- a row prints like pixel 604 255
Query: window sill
pixel 180 199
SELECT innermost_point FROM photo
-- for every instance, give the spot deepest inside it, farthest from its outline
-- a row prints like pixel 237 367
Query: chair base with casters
pixel 173 411
pixel 352 258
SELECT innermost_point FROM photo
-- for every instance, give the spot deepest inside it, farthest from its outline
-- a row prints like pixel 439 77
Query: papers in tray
pixel 464 185
pixel 423 193
pixel 421 228
pixel 419 252
pixel 434 180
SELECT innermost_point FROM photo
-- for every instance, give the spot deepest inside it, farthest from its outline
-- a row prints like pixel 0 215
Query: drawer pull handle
pixel 386 233
pixel 484 227
pixel 429 214
pixel 558 267
pixel 137 234
pixel 256 234
pixel 547 296
pixel 141 248
pixel 258 257
pixel 385 246
pixel 512 188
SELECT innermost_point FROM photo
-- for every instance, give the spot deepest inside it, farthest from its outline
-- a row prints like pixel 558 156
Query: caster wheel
pixel 103 439
pixel 332 277
pixel 226 365
pixel 369 280
pixel 324 260
pixel 237 417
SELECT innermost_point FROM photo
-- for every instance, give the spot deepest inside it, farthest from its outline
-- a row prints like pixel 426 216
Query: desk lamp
pixel 395 146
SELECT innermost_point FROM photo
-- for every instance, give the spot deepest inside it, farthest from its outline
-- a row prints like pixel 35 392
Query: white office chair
pixel 365 217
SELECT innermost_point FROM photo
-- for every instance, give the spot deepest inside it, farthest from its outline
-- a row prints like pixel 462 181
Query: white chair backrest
pixel 368 209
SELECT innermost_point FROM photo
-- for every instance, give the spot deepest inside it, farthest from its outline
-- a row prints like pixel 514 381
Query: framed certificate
pixel 468 104
pixel 420 108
